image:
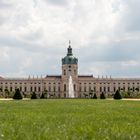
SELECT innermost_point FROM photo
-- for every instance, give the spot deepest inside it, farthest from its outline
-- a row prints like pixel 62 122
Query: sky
pixel 104 34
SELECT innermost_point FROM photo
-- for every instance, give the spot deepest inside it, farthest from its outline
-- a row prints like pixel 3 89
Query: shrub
pixel 34 96
pixel 17 94
pixel 94 96
pixel 117 95
pixel 102 96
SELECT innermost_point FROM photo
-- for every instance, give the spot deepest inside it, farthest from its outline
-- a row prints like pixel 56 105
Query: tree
pixel 34 96
pixel 117 95
pixel 137 89
pixel 94 96
pixel 46 93
pixel 17 94
pixel 102 96
pixel 42 96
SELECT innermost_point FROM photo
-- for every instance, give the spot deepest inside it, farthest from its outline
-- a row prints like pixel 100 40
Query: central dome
pixel 69 59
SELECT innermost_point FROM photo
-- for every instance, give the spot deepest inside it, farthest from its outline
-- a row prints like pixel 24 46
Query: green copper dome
pixel 69 59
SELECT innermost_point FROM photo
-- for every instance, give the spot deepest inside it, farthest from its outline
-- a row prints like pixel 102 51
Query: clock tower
pixel 69 64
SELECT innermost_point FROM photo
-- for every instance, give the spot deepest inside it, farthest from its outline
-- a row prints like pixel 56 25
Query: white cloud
pixel 34 36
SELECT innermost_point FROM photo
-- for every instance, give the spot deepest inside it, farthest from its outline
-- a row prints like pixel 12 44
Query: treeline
pixel 119 94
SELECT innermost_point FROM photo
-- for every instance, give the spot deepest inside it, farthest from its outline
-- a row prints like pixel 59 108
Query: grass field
pixel 67 119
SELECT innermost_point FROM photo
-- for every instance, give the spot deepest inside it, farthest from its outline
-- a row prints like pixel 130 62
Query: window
pixel 104 89
pixel 20 88
pixel 49 88
pixel 114 89
pixel 85 89
pixel 25 89
pixel 100 89
pixel 1 89
pixel 64 72
pixel 108 89
pixel 80 88
pixel 75 72
pixel 59 89
pixel 35 89
pixel 54 89
pixel 31 89
pixel 38 89
pixel 94 89
pixel 64 87
pixel 119 88
pixel 10 89
pixel 89 88
pixel 74 87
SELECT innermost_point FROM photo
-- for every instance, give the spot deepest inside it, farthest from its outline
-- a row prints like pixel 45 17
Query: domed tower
pixel 69 64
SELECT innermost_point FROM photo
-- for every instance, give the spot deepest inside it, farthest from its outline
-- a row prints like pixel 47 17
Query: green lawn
pixel 72 119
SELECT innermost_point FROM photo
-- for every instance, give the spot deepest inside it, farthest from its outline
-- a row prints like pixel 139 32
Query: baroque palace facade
pixel 58 85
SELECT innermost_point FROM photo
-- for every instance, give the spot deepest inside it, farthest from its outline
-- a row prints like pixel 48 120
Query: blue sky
pixel 105 36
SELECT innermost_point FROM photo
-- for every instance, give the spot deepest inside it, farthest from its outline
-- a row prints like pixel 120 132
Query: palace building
pixel 57 86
